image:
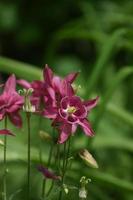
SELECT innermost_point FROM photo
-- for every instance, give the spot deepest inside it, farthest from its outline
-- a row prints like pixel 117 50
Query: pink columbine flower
pixel 57 88
pixel 48 174
pixel 11 102
pixel 73 112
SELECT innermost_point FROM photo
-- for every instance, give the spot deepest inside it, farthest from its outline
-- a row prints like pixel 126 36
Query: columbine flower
pixel 73 112
pixel 11 102
pixel 48 174
pixel 56 88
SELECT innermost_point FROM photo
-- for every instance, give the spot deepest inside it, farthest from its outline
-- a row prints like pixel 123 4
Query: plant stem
pixel 28 155
pixel 48 164
pixel 5 164
pixel 63 169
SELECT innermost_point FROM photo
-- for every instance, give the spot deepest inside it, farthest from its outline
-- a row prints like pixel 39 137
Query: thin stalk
pixel 50 189
pixel 5 164
pixel 48 164
pixel 63 168
pixel 28 155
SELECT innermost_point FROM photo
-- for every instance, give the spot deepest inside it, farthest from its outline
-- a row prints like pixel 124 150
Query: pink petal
pixel 86 127
pixel 48 174
pixel 16 119
pixel 6 132
pixel 74 127
pixel 91 103
pixel 50 112
pixel 56 82
pixel 48 75
pixel 66 130
pixel 10 85
pixel 71 77
pixel 24 83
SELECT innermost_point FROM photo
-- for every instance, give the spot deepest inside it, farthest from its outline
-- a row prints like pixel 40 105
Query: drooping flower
pixel 11 102
pixel 48 174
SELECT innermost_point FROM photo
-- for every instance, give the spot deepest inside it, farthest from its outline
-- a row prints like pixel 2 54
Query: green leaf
pixel 22 70
pixel 120 76
pixel 105 54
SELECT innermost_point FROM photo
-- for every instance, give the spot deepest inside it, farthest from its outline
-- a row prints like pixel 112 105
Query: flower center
pixel 71 110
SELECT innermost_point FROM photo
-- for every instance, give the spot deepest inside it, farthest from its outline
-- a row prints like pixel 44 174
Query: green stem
pixel 63 169
pixel 5 164
pixel 50 189
pixel 28 155
pixel 48 164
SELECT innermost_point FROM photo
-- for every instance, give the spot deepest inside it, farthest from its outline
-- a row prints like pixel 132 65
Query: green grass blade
pixel 108 179
pixel 105 54
pixel 120 76
pixel 120 143
pixel 120 113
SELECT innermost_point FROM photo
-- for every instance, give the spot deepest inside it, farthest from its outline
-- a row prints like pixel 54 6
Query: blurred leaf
pixel 104 56
pixel 8 16
pixel 120 76
pixel 22 70
pixel 120 113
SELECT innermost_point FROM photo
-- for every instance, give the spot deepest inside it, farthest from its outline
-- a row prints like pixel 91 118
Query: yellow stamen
pixel 71 110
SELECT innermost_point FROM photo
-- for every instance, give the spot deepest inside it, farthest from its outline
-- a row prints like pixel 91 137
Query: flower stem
pixel 5 164
pixel 48 164
pixel 63 169
pixel 28 155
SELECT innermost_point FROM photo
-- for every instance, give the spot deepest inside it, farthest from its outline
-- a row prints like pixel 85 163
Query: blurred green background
pixel 95 38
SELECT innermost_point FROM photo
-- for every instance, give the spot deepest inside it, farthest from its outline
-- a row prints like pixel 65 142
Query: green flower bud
pixel 88 158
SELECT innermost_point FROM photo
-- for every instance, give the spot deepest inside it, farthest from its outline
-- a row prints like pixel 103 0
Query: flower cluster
pixel 55 98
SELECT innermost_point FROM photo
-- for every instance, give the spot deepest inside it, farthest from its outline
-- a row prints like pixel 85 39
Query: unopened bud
pixel 66 190
pixel 45 136
pixel 1 143
pixel 88 158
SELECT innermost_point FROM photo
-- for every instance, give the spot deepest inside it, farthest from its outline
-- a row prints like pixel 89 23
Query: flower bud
pixel 1 143
pixel 88 158
pixel 45 136
pixel 66 190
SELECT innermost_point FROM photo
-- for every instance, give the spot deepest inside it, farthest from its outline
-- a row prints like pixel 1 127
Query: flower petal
pixel 16 119
pixel 50 112
pixel 6 132
pixel 66 130
pixel 48 174
pixel 48 75
pixel 10 85
pixel 24 83
pixel 91 103
pixel 71 77
pixel 86 127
